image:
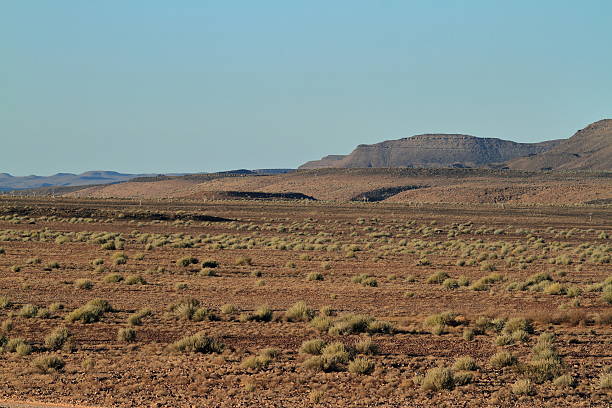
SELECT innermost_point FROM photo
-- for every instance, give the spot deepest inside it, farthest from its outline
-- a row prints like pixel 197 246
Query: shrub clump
pixel 261 314
pixel 261 360
pixel 44 364
pixel 315 276
pixel 366 346
pixel 198 343
pixel 135 280
pixel 365 280
pixel 437 277
pixel 546 363
pixel 334 357
pixel 210 263
pixel 313 347
pixel 189 309
pixel 299 312
pixel 355 324
pixel 135 319
pixel 502 359
pixel 57 338
pixel 466 363
pixel 186 261
pixel 91 312
pixel 28 311
pixel 113 278
pixel 126 334
pixel 361 365
pixel 85 284
pixel 523 387
pixel 438 379
pixel 229 309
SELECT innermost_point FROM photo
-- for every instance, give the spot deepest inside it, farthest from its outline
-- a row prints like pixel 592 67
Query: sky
pixel 152 86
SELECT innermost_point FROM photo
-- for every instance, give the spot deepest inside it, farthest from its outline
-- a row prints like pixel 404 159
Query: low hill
pixel 588 149
pixel 468 186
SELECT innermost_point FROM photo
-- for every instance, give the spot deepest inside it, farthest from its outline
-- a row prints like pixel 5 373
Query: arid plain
pixel 141 303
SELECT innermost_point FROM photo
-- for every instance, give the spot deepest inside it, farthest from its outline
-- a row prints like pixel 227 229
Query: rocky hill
pixel 434 151
pixel 588 149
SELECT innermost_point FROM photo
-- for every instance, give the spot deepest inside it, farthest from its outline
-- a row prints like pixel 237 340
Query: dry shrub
pixel 198 343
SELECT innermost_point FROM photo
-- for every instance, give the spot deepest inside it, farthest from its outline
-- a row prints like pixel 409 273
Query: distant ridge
pixel 9 182
pixel 588 149
pixel 52 183
pixel 434 151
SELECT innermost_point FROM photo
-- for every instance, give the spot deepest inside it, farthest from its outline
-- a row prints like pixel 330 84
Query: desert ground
pixel 177 303
pixel 427 186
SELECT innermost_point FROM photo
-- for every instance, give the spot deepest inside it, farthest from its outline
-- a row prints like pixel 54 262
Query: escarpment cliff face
pixel 588 149
pixel 434 150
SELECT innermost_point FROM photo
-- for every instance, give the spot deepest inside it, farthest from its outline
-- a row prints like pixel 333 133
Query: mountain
pixel 588 149
pixel 434 151
pixel 9 182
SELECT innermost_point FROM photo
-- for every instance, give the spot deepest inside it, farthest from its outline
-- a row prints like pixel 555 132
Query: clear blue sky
pixel 187 86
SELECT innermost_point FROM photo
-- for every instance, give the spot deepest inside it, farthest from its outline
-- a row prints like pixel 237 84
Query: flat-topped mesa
pixel 434 150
